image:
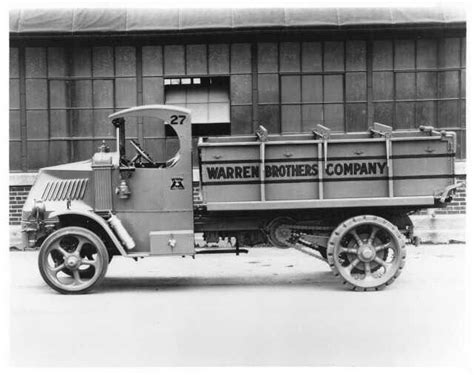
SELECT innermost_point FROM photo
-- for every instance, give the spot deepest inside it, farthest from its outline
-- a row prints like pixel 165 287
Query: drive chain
pixel 297 242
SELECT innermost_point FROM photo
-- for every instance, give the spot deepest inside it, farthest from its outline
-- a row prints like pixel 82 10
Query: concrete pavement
pixel 269 307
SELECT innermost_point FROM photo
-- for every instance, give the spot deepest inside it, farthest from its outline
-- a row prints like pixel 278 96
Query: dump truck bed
pixel 323 169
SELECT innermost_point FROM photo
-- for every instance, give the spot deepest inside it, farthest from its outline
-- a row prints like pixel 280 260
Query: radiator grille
pixel 62 189
pixel 103 189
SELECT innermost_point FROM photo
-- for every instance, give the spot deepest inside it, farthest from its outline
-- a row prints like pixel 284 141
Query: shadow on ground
pixel 323 280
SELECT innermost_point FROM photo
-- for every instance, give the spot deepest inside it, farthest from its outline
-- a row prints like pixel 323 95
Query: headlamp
pixel 38 209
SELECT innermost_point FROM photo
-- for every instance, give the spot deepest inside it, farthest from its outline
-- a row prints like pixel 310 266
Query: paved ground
pixel 270 307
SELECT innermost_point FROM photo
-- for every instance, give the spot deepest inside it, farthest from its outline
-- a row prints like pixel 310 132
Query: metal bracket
pixel 429 129
pixel 385 131
pixel 381 130
pixel 262 134
pixel 449 191
pixel 432 131
pixel 322 132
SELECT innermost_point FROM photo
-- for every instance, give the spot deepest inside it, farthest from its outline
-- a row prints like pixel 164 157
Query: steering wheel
pixel 141 152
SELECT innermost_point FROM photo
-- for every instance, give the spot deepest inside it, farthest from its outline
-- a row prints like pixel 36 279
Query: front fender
pixel 98 220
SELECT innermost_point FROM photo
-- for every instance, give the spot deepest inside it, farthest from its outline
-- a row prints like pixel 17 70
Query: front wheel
pixel 73 260
pixel 85 272
pixel 367 252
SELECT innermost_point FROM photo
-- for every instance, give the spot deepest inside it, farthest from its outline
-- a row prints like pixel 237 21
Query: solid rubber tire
pixel 349 224
pixel 101 250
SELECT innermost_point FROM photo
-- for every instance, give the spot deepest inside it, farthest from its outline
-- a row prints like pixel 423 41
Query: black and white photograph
pixel 238 186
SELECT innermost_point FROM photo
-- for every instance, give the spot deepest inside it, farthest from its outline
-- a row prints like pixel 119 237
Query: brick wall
pixel 18 195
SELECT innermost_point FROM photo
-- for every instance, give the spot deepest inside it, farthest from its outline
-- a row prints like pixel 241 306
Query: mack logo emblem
pixel 177 183
pixel 296 170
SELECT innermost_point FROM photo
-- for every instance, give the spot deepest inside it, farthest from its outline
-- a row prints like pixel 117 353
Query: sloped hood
pixel 56 185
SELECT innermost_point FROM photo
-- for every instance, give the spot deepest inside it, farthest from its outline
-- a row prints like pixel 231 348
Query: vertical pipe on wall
pixel 48 106
pixel 416 76
pixel 344 78
pixel 254 62
pixel 436 103
pixel 72 98
pixel 300 72
pixel 69 104
pixel 323 79
pixel 369 78
pixel 460 100
pixel 91 59
pixel 23 128
pixel 139 78
pixel 394 92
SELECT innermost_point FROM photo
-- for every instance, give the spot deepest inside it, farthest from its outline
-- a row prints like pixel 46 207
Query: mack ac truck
pixel 342 198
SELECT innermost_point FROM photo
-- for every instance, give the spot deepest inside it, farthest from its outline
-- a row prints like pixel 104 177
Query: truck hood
pixel 84 165
pixel 56 185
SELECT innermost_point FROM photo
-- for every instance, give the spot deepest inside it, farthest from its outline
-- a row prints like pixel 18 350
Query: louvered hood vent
pixel 62 189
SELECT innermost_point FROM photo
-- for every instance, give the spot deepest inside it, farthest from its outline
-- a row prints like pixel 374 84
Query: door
pixel 159 212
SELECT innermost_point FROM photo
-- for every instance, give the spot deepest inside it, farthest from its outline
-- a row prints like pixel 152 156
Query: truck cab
pixel 153 199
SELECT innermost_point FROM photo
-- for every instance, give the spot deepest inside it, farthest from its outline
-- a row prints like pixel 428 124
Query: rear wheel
pixel 366 252
pixel 73 260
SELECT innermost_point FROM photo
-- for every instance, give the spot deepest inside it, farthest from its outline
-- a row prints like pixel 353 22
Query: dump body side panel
pixel 403 169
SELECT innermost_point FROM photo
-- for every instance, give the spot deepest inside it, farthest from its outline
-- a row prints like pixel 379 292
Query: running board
pixel 222 251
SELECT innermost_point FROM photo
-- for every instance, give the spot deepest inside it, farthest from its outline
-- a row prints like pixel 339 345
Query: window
pixel 311 99
pixel 69 94
pixel 15 130
pixel 207 98
pixel 331 90
pixel 420 82
pixel 286 86
pixel 143 158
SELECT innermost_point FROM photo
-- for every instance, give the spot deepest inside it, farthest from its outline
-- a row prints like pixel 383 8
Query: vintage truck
pixel 342 198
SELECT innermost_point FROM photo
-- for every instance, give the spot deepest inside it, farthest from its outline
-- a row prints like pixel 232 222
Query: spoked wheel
pixel 86 271
pixel 366 252
pixel 73 260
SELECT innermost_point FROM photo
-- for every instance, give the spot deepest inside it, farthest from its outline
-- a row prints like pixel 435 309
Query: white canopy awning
pixel 135 20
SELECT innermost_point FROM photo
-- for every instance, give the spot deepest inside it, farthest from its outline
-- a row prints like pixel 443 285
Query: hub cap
pixel 367 253
pixel 72 262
